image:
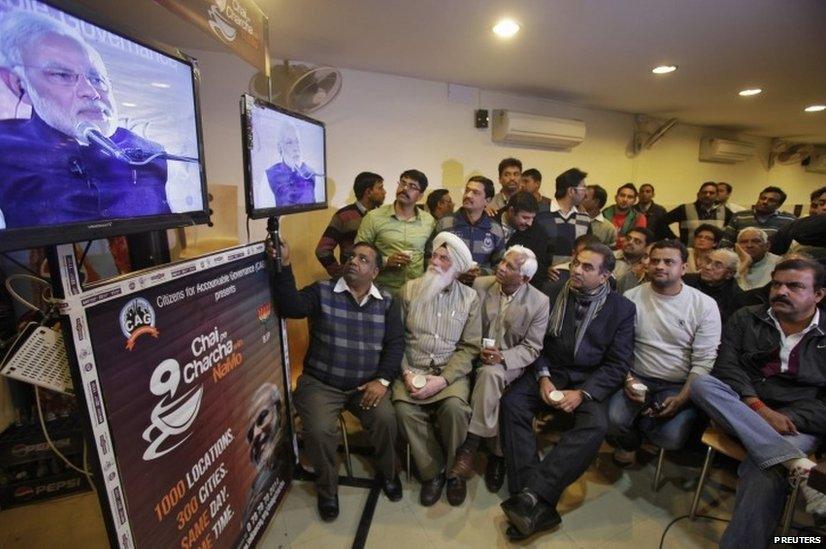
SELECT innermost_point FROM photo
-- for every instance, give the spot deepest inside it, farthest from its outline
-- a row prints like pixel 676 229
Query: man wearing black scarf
pixel 587 353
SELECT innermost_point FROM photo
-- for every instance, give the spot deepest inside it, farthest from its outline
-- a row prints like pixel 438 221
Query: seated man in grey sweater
pixel 675 339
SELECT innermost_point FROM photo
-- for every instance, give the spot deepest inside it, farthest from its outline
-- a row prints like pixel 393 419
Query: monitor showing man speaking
pixel 285 157
pixel 93 126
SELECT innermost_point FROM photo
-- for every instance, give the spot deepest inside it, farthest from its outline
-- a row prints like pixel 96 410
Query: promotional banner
pixel 239 24
pixel 185 383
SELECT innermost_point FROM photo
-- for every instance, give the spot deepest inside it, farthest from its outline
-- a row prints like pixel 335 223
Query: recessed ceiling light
pixel 664 69
pixel 506 28
pixel 160 85
pixel 750 92
pixel 125 104
pixel 815 108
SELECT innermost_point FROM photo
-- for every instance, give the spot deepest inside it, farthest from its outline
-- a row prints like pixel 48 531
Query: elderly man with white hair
pixel 717 279
pixel 292 181
pixel 756 261
pixel 51 170
pixel 514 320
pixel 443 332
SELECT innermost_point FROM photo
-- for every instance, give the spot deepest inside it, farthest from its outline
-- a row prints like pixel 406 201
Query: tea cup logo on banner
pixel 170 418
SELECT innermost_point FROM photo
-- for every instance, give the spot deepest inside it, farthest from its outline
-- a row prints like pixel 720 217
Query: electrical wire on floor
pixel 673 522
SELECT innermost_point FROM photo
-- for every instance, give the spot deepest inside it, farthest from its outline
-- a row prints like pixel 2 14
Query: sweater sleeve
pixel 291 302
pixel 327 244
pixel 706 339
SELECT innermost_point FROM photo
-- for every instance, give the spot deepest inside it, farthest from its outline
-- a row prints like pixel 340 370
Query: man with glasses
pixel 566 223
pixel 50 171
pixel 400 231
pixel 355 352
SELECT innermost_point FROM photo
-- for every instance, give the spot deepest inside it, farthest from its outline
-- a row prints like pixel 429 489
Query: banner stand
pixel 63 286
pixel 182 381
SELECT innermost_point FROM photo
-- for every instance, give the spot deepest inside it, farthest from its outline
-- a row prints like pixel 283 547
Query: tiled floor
pixel 607 507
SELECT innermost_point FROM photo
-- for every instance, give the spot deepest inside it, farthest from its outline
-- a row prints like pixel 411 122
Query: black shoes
pixel 456 491
pixel 431 490
pixel 495 473
pixel 392 488
pixel 328 508
pixel 528 515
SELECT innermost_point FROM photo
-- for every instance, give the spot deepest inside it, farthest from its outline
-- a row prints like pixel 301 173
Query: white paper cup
pixel 418 381
pixel 488 342
pixel 556 396
pixel 408 253
pixel 639 388
pixel 473 265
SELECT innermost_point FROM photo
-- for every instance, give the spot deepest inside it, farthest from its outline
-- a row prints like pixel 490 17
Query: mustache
pixel 95 104
pixel 780 299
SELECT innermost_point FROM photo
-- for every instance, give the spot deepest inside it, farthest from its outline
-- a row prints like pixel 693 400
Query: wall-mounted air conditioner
pixel 817 161
pixel 517 128
pixel 716 149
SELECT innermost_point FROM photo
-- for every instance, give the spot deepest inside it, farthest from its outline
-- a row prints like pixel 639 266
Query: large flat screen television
pixel 285 162
pixel 99 132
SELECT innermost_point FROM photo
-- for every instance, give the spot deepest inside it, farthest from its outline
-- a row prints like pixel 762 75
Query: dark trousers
pixel 319 405
pixel 566 461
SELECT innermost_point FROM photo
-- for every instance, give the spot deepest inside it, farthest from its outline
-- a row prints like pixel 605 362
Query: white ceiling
pixel 592 53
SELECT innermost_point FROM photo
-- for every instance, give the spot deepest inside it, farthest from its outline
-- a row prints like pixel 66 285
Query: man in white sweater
pixel 676 336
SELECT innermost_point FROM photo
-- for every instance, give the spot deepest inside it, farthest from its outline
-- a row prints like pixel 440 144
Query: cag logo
pixel 172 416
pixel 136 319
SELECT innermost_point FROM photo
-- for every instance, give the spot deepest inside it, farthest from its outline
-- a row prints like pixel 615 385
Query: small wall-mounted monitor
pixel 285 166
pixel 99 132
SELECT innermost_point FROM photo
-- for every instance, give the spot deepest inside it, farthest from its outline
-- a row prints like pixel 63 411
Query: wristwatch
pixel 384 382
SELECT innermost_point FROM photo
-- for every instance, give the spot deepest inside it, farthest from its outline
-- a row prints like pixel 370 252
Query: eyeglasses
pixel 67 78
pixel 408 185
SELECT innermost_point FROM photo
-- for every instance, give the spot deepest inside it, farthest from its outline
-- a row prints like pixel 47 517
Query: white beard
pixel 434 281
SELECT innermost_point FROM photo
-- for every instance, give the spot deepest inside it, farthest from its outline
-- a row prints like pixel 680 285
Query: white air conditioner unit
pixel 517 128
pixel 715 149
pixel 817 161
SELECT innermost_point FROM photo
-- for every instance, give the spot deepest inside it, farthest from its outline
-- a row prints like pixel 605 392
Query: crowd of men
pixel 454 329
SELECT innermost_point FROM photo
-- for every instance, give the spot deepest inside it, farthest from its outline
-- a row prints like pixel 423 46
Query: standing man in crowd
pixel 482 234
pixel 443 333
pixel 565 222
pixel 718 280
pixel 622 214
pixel 530 181
pixel 756 261
pixel 690 216
pixel 518 221
pixel 369 190
pixel 400 231
pixel 675 340
pixel 594 202
pixel 724 191
pixel 510 171
pixel 768 389
pixel 586 355
pixel 763 215
pixel 355 351
pixel 514 318
pixel 646 205
pixel 439 203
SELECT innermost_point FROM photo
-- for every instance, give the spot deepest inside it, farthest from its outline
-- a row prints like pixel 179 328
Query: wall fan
pixel 648 131
pixel 299 87
pixel 784 152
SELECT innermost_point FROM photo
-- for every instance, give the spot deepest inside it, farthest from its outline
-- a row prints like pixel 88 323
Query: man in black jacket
pixel 517 219
pixel 769 390
pixel 586 356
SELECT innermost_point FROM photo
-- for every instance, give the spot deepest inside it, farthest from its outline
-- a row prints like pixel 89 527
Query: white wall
pixel 387 124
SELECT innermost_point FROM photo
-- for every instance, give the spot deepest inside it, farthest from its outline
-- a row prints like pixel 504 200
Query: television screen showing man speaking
pixel 93 126
pixel 285 156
